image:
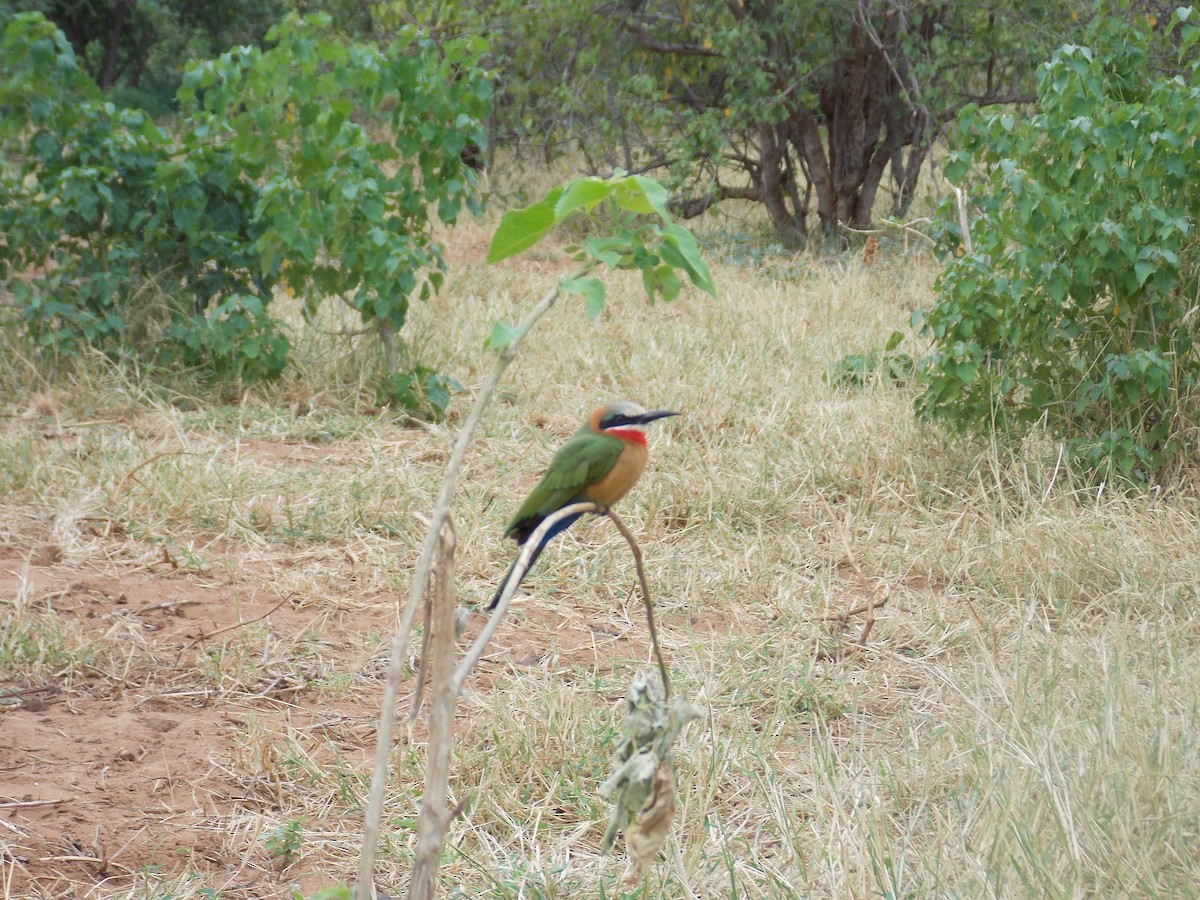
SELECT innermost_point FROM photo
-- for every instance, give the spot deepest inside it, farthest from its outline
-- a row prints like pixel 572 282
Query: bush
pixel 272 178
pixel 1076 308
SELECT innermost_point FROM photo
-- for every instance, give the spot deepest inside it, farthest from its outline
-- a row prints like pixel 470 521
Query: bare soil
pixel 102 779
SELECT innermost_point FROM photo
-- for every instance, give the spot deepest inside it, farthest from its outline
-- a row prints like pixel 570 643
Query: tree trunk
pixel 912 172
pixel 806 138
pixel 113 50
pixel 391 346
pixel 772 154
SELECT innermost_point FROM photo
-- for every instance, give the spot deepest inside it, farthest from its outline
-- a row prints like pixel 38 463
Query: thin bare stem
pixel 874 602
pixel 155 458
pixel 212 634
pixel 365 889
pixel 439 664
pixel 414 703
pixel 473 655
pixel 637 558
pixel 964 221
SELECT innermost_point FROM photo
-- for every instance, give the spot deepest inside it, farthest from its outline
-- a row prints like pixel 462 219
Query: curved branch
pixel 637 558
pixel 690 207
pixel 998 99
pixel 475 653
pixel 387 713
pixel 438 662
pixel 472 656
pixel 649 42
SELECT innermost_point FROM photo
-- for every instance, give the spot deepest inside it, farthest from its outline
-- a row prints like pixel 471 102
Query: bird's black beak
pixel 645 418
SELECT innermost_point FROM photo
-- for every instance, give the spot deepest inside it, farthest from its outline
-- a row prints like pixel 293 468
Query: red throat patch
pixel 632 435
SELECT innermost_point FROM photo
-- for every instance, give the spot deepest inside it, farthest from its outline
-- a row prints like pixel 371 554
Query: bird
pixel 599 463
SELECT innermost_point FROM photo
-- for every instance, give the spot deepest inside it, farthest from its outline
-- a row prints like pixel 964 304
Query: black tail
pixel 553 532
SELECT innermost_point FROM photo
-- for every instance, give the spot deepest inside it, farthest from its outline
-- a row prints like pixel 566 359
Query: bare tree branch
pixel 649 42
pixel 637 558
pixel 964 220
pixel 996 99
pixel 475 653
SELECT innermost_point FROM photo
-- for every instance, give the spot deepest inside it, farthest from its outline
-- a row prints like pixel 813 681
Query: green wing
pixel 584 459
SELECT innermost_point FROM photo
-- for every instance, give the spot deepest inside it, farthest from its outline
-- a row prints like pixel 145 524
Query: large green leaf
pixel 502 335
pixel 607 250
pixel 582 193
pixel 643 195
pixel 520 229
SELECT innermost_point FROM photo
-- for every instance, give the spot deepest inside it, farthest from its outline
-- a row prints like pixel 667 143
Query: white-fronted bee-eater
pixel 598 464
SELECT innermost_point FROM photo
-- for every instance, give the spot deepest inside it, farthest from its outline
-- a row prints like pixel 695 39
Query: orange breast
pixel 624 475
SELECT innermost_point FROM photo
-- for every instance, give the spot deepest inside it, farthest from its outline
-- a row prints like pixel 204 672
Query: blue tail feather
pixel 559 528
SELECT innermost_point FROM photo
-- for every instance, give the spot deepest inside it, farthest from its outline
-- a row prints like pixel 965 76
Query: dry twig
pixel 475 653
pixel 874 600
pixel 155 458
pixel 235 625
pixel 637 558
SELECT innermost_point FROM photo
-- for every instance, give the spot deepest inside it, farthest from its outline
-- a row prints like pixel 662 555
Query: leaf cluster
pixel 136 51
pixel 1076 307
pixel 419 389
pixel 641 235
pixel 800 106
pixel 641 785
pixel 284 843
pixel 315 166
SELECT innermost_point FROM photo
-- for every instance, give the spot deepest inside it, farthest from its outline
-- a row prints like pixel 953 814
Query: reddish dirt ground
pixel 102 777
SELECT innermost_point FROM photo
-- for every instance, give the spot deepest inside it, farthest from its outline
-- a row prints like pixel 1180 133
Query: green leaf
pixel 607 250
pixel 592 290
pixel 339 892
pixel 581 193
pixel 956 166
pixel 372 209
pixel 649 282
pixel 668 282
pixel 502 336
pixel 520 229
pixel 679 249
pixel 894 341
pixel 640 194
pixel 1189 34
pixel 437 391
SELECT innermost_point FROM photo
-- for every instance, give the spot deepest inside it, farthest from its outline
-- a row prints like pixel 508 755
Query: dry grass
pixel 1022 722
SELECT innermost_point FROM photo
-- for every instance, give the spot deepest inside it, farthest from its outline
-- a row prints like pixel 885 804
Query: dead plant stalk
pixel 365 887
pixel 439 666
pixel 446 683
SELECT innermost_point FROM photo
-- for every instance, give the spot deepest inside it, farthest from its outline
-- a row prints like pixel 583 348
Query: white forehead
pixel 625 408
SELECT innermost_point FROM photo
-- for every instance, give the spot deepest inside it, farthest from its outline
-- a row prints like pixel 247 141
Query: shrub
pixel 1076 307
pixel 313 164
